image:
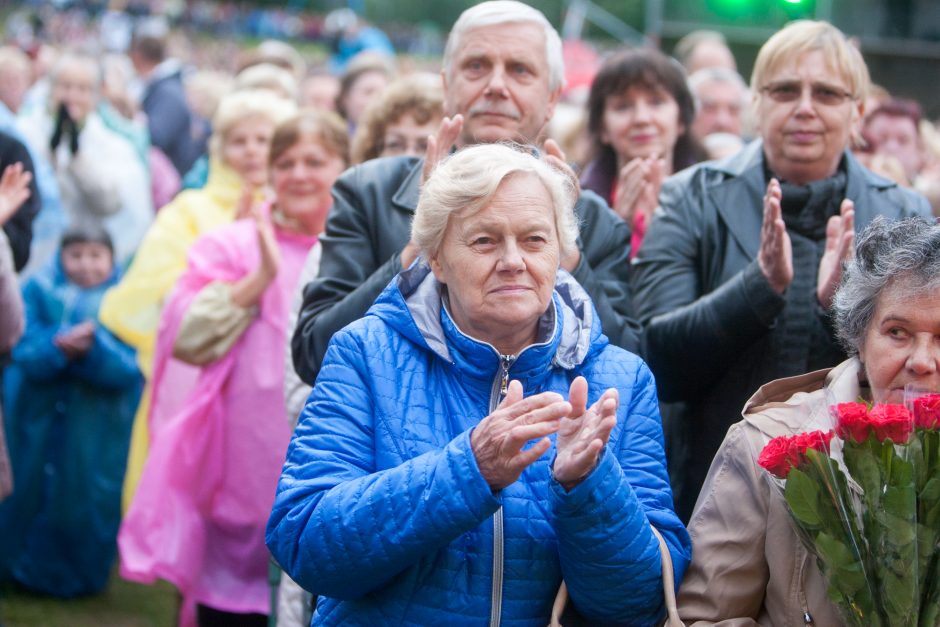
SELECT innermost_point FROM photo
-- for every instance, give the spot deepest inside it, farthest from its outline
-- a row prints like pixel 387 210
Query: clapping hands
pixel 638 185
pixel 76 341
pixel 582 432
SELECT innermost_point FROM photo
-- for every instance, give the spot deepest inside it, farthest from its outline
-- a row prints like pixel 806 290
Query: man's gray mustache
pixel 509 113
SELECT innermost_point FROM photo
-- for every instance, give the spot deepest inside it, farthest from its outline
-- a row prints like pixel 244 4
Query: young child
pixel 69 399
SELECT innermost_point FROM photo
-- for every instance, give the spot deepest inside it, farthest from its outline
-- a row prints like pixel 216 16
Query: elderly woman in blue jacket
pixel 438 474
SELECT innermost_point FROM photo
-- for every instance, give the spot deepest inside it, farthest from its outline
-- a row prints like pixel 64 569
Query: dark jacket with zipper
pixel 714 329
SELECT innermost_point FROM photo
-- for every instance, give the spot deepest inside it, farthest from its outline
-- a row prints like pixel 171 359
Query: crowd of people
pixel 459 347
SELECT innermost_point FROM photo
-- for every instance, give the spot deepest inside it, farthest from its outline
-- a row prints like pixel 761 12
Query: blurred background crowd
pixel 139 137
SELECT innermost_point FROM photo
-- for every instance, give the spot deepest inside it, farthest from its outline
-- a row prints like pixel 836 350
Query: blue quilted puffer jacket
pixel 382 511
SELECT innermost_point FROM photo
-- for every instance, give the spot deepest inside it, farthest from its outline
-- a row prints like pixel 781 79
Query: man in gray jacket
pixel 503 74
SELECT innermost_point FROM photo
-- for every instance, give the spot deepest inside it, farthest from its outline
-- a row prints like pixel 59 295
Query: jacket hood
pixel 412 304
pixel 53 273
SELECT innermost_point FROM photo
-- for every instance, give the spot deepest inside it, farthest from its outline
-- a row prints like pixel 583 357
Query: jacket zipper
pixel 801 590
pixel 500 388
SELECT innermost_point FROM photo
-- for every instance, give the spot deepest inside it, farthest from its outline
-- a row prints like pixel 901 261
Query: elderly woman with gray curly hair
pixel 475 438
pixel 749 567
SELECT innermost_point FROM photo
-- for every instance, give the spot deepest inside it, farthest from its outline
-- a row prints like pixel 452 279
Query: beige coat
pixel 748 566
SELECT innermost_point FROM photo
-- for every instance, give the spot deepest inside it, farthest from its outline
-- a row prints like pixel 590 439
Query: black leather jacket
pixel 708 312
pixel 369 225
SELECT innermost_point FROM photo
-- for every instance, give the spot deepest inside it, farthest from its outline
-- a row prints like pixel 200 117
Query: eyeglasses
pixel 791 91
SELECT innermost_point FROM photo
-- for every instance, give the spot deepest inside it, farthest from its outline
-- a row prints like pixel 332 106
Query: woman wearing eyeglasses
pixel 736 275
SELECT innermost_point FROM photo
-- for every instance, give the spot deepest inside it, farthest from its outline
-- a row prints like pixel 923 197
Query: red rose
pixel 818 440
pixel 927 412
pixel 776 457
pixel 851 421
pixel 783 453
pixel 891 421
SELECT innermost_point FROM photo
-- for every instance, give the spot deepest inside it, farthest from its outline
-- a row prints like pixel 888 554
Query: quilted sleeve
pixel 610 557
pixel 341 528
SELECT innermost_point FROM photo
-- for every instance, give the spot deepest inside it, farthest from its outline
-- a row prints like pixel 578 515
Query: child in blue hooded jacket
pixel 69 399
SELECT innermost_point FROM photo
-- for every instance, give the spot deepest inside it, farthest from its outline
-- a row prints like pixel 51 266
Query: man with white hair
pixel 101 180
pixel 503 74
pixel 721 98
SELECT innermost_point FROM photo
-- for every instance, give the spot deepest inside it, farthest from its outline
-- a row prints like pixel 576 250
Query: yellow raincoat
pixel 131 309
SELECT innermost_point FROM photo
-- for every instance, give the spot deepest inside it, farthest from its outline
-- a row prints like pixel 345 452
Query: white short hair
pixel 78 58
pixel 717 75
pixel 464 183
pixel 497 12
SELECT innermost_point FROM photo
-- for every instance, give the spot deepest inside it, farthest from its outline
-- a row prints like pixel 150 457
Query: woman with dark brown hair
pixel 639 114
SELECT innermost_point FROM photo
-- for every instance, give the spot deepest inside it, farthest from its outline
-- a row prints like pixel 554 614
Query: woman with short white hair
pixel 438 474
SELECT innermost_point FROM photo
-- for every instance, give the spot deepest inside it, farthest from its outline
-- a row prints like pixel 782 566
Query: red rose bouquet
pixel 865 497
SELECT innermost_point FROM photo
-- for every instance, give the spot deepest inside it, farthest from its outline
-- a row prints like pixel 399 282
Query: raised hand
pixel 840 245
pixel 555 156
pixel 498 440
pixel 247 291
pixel 638 185
pixel 408 254
pixel 583 433
pixel 775 256
pixel 439 145
pixel 267 244
pixel 14 190
pixel 630 183
pixel 246 202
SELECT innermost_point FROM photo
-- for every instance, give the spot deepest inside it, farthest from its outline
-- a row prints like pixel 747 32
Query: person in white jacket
pixel 101 179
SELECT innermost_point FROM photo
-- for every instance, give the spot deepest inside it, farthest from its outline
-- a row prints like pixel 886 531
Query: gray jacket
pixel 369 225
pixel 710 317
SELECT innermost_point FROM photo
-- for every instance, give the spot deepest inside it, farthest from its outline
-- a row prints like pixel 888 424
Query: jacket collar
pixel 744 172
pixel 412 304
pixel 406 196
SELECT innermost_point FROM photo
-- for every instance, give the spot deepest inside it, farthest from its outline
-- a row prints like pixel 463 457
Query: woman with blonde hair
pixel 244 125
pixel 735 279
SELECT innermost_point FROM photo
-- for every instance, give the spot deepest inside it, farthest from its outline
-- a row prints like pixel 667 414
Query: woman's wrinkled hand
pixel 498 440
pixel 583 433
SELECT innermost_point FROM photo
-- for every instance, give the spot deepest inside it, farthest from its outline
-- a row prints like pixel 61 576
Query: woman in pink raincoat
pixel 198 517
